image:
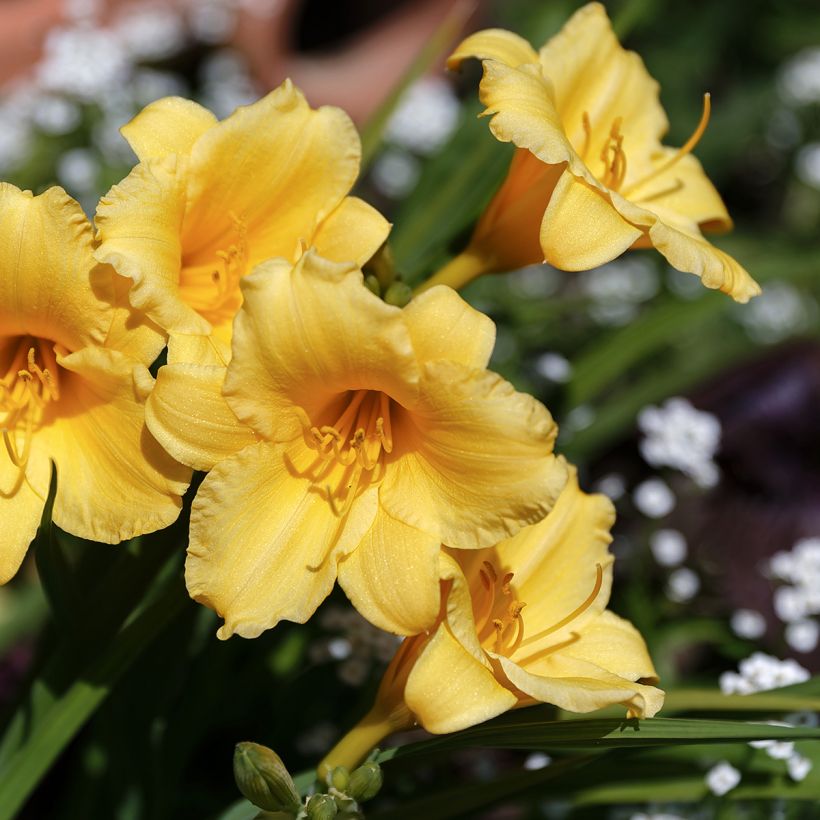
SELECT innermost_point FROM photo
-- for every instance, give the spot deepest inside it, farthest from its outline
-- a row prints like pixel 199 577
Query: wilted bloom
pixel 209 200
pixel 347 435
pixel 590 178
pixel 521 622
pixel 73 383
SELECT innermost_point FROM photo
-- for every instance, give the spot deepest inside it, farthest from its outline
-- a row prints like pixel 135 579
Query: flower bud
pixel 338 778
pixel 372 284
pixel 365 782
pixel 321 807
pixel 263 779
pixel 398 294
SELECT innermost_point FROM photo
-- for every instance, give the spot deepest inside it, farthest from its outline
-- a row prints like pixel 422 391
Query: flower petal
pixel 264 542
pixel 615 645
pixel 448 689
pixel 353 232
pixel 168 126
pixel 581 229
pixel 190 418
pixel 138 230
pixel 278 166
pixel 114 480
pixel 494 44
pixel 583 687
pixel 475 463
pixel 45 263
pixel 392 577
pixel 443 326
pixel 21 507
pixel 331 335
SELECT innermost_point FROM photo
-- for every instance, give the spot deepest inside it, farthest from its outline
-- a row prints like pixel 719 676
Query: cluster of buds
pixel 262 778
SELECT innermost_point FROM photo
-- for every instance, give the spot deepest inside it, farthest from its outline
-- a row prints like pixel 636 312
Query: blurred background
pixel 700 418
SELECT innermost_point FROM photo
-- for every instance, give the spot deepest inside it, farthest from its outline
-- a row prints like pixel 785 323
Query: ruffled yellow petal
pixel 264 542
pixel 138 230
pixel 113 480
pixel 45 262
pixel 22 496
pixel 448 689
pixel 685 248
pixel 494 44
pixel 522 110
pixel 353 232
pixel 476 462
pixel 615 645
pixel 168 126
pixel 276 169
pixel 392 577
pixel 190 418
pixel 330 335
pixel 592 75
pixel 578 686
pixel 443 326
pixel 581 229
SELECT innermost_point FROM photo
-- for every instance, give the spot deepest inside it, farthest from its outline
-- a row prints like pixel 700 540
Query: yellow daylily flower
pixel 73 384
pixel 522 622
pixel 209 200
pixel 590 178
pixel 346 437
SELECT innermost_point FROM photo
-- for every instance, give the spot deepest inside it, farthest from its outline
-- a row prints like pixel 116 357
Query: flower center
pixel 356 441
pixel 498 619
pixel 25 389
pixel 613 155
pixel 233 261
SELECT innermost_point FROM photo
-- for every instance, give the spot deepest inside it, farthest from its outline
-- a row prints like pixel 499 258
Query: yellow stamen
pixel 587 126
pixel 687 148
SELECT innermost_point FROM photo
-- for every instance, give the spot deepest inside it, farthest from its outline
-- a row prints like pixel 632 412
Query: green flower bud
pixel 339 778
pixel 398 294
pixel 263 779
pixel 321 807
pixel 365 782
pixel 372 284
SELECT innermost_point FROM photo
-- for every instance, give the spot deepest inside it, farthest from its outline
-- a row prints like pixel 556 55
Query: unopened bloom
pixel 347 436
pixel 522 622
pixel 209 200
pixel 590 178
pixel 73 384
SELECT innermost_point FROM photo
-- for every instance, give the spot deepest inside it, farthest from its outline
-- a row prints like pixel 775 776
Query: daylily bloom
pixel 590 178
pixel 73 383
pixel 209 200
pixel 522 622
pixel 347 436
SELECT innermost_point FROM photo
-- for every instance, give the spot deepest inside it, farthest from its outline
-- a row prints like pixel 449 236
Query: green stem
pixel 459 271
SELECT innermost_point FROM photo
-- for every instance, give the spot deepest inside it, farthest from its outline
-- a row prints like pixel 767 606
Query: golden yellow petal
pixel 114 481
pixel 392 577
pixel 264 542
pixel 615 645
pixel 523 112
pixel 460 603
pixel 592 74
pixel 138 230
pixel 22 497
pixel 168 126
pixel 578 686
pixel 186 348
pixel 443 326
pixel 331 335
pixel 189 417
pixel 277 168
pixel 581 228
pixel 352 232
pixel 473 460
pixel 45 265
pixel 494 44
pixel 448 689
